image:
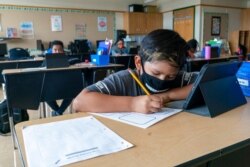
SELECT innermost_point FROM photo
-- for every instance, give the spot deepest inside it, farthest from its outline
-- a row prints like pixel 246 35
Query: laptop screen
pixel 58 60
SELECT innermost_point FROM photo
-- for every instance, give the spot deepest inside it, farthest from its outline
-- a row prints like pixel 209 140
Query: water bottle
pixel 207 51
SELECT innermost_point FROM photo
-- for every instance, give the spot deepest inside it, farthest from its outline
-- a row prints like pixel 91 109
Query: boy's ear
pixel 137 60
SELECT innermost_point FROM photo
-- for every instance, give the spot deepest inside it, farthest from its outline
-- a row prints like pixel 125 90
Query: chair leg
pixel 40 110
pixel 44 110
pixel 70 108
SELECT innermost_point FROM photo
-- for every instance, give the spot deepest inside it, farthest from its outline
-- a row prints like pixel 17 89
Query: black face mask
pixel 155 85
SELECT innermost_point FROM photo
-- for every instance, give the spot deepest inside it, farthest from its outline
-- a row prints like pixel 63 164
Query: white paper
pixel 139 119
pixel 63 142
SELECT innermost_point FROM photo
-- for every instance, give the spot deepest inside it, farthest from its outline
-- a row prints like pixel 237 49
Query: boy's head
pixel 120 43
pixel 163 45
pixel 162 54
pixel 57 46
pixel 192 47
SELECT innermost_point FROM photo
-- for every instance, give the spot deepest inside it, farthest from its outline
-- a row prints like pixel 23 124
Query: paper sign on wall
pixel 56 23
pixel 11 32
pixel 26 30
pixel 80 30
pixel 102 23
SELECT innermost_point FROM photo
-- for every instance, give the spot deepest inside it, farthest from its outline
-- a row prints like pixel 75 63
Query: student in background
pixel 158 63
pixel 193 47
pixel 58 47
pixel 242 52
pixel 119 48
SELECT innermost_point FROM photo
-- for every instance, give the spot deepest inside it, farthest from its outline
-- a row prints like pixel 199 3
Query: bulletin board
pixel 184 22
pixel 12 16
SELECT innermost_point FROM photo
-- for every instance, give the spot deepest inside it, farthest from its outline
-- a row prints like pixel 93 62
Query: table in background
pixel 195 64
pixel 14 64
pixel 184 139
pixel 126 59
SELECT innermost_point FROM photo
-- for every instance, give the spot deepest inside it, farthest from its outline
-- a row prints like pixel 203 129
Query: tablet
pixel 216 90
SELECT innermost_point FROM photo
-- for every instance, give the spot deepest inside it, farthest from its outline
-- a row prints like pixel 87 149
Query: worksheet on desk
pixel 139 119
pixel 63 142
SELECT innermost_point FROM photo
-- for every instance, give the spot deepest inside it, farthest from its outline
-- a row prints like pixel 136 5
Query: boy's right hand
pixel 147 104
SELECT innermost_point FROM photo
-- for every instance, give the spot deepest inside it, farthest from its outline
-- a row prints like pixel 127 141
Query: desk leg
pixel 15 142
pixel 44 109
pixel 129 62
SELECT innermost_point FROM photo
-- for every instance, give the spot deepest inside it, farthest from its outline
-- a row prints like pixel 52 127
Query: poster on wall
pixel 56 23
pixel 80 30
pixel 102 23
pixel 216 25
pixel 11 32
pixel 26 30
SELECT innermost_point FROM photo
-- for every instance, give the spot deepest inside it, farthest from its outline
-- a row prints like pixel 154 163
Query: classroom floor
pixel 6 145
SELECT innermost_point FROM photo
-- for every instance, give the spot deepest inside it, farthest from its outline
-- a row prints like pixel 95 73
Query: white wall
pixel 233 22
pixel 169 5
pixel 168 20
pixel 231 3
pixel 197 22
pixel 119 20
pixel 114 5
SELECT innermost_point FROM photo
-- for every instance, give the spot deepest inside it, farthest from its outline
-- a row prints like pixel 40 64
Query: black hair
pixel 120 39
pixel 192 44
pixel 163 44
pixel 243 50
pixel 56 42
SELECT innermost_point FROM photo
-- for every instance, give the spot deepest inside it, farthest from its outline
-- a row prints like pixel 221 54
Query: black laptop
pixel 58 60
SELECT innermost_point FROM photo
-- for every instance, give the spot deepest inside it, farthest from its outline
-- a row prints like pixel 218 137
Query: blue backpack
pixel 18 53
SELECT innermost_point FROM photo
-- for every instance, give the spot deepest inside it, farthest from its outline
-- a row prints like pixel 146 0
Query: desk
pixel 195 64
pixel 13 64
pixel 26 88
pixel 182 140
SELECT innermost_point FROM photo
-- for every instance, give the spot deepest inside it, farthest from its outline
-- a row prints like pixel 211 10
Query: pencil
pixel 138 81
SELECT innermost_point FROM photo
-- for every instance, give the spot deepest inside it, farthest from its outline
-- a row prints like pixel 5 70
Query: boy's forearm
pixel 176 94
pixel 97 102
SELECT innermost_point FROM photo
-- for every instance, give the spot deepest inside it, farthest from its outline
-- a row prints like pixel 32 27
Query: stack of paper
pixel 64 142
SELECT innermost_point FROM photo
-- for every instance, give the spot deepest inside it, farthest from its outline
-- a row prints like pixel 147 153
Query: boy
pixel 193 46
pixel 118 49
pixel 158 63
pixel 57 47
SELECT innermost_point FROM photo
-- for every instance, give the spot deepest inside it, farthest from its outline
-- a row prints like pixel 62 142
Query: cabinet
pixel 142 23
pixel 153 21
pixel 239 37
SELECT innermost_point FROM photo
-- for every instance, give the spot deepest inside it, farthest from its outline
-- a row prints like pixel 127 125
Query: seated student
pixel 57 47
pixel 158 63
pixel 119 48
pixel 193 47
pixel 242 52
